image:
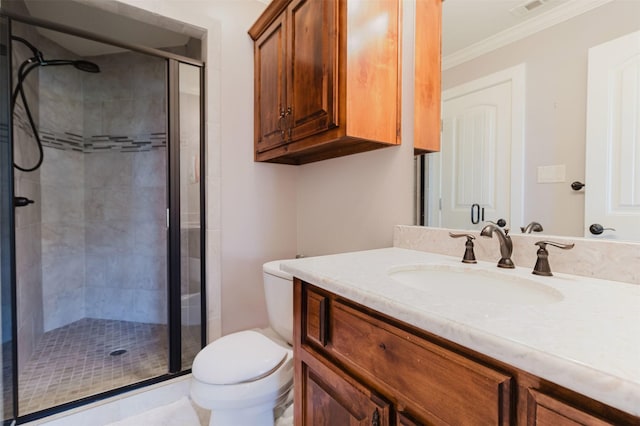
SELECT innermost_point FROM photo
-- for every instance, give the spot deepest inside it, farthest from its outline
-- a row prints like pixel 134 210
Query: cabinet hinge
pixel 375 419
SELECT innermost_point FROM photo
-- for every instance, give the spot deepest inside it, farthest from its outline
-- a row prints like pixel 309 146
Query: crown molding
pixel 557 15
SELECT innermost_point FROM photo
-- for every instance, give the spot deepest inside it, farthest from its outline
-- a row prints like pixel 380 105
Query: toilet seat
pixel 237 358
pixel 269 387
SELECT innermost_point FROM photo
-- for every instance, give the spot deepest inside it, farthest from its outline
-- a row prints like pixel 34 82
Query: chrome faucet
pixel 506 245
pixel 532 227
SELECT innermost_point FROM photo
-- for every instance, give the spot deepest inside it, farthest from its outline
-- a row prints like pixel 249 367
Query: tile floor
pixel 74 361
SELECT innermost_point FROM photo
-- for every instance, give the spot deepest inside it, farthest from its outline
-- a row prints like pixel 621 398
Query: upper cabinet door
pixel 312 85
pixel 341 78
pixel 270 87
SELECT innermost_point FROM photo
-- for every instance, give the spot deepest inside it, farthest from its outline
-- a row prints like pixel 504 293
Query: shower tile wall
pixel 125 188
pixel 62 185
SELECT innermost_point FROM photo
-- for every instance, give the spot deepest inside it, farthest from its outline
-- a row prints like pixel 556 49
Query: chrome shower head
pixel 85 66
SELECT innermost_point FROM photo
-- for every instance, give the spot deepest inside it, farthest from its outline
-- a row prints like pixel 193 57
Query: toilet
pixel 244 377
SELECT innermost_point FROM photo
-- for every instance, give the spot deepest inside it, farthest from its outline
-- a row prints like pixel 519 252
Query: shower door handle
pixel 21 201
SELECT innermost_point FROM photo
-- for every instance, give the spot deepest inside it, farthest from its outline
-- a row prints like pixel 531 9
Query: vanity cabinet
pixel 354 365
pixel 327 79
pixel 423 382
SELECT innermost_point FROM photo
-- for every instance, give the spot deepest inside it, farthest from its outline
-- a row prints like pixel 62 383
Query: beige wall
pixel 259 212
pixel 352 203
pixel 556 81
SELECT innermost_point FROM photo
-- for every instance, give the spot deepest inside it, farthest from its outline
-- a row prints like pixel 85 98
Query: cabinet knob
pixel 288 115
pixel 280 120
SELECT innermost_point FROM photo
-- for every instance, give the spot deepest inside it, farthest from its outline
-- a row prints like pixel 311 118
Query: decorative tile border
pixel 4 132
pixel 67 141
pixel 64 141
pixel 146 142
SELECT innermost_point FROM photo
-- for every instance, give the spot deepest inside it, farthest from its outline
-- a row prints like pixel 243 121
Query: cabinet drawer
pixel 452 389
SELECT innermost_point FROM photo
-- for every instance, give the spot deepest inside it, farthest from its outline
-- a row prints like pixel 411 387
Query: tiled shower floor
pixel 74 361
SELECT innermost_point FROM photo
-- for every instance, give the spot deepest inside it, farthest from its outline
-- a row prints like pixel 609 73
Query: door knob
pixel 577 186
pixel 597 229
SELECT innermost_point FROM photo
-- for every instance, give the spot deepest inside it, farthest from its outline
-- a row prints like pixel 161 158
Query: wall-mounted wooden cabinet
pixel 354 365
pixel 327 79
pixel 427 81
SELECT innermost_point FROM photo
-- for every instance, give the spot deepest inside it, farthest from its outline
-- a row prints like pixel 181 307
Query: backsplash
pixel 604 259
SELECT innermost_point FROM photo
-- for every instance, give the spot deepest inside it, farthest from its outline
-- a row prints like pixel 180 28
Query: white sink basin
pixel 466 283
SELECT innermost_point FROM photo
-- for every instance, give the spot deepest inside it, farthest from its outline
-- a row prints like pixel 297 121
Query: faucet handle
pixel 543 245
pixel 542 264
pixel 469 255
pixel 531 227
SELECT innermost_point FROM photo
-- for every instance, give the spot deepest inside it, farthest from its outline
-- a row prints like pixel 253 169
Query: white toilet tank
pixel 278 290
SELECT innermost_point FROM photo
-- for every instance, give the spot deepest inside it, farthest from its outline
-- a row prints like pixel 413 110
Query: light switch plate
pixel 552 174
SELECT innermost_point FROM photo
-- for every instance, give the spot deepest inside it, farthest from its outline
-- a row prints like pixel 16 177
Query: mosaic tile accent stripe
pixel 134 143
pixel 4 130
pixel 68 141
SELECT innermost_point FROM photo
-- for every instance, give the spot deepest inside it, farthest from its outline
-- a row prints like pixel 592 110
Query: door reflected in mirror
pixel 551 45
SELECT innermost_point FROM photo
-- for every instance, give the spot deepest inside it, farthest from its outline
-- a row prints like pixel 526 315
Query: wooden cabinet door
pixel 312 74
pixel 545 410
pixel 332 398
pixel 270 86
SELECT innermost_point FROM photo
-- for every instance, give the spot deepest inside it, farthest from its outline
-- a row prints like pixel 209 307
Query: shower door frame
pixel 174 365
pixel 7 231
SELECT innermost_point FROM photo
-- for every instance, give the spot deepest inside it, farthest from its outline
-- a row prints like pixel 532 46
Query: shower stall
pixel 102 214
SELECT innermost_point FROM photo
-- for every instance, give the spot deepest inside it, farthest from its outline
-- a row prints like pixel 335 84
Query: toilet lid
pixel 236 358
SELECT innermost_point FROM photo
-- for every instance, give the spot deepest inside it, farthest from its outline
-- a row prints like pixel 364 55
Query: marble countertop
pixel 588 340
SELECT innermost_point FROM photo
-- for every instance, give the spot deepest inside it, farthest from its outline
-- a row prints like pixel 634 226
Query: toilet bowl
pixel 244 377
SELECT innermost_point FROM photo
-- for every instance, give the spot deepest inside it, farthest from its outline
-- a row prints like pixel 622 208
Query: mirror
pixel 547 48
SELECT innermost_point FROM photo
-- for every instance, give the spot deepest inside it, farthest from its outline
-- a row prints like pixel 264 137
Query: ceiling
pixel 471 22
pixel 94 17
pixel 466 23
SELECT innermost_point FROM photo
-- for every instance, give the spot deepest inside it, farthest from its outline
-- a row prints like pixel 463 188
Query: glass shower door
pixel 191 201
pixel 91 250
pixel 102 286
